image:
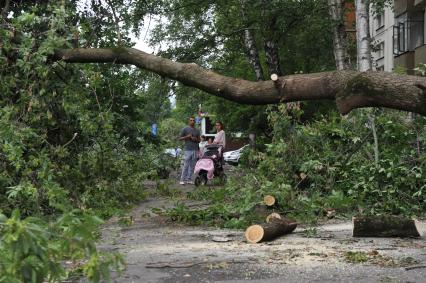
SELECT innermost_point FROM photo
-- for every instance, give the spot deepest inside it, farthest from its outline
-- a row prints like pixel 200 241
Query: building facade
pixel 398 35
pixel 381 31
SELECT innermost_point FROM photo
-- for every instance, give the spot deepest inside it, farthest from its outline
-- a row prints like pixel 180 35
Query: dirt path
pixel 160 251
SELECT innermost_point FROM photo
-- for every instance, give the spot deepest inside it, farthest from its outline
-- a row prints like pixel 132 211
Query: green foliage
pixel 356 257
pixel 31 250
pixel 73 144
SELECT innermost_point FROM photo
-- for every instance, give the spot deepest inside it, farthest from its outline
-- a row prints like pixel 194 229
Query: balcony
pixel 405 60
pixel 402 6
pixel 419 3
pixel 420 55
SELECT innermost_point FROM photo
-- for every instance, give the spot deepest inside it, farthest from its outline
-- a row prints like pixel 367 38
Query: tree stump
pixel 384 226
pixel 269 231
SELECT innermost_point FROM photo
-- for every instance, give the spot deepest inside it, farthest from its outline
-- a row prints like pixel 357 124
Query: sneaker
pixel 190 182
pixel 182 183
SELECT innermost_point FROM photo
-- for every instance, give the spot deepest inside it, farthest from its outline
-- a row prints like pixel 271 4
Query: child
pixel 202 146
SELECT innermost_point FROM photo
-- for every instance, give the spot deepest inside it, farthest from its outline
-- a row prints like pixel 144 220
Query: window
pixel 380 21
pixel 407 32
pixel 209 126
pixel 381 50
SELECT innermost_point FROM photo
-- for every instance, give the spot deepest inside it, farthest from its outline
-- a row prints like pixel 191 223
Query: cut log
pixel 269 200
pixel 269 231
pixel 272 215
pixel 384 226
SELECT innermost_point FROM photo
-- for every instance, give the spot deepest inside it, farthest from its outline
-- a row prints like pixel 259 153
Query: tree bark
pixel 270 47
pixel 272 57
pixel 363 41
pixel 253 54
pixel 372 119
pixel 336 10
pixel 350 89
pixel 384 226
pixel 363 35
pixel 251 48
pixel 5 10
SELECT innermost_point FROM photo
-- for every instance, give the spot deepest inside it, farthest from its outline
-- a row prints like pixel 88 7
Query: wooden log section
pixel 384 226
pixel 269 231
pixel 269 200
pixel 272 215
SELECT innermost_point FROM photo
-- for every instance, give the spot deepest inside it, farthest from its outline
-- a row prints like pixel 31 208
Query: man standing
pixel 191 136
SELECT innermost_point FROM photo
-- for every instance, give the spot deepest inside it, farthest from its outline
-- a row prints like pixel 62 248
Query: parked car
pixel 173 152
pixel 233 157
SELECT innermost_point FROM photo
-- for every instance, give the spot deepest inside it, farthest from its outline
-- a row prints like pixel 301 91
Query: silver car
pixel 233 157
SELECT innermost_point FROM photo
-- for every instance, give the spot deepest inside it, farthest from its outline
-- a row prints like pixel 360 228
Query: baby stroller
pixel 210 165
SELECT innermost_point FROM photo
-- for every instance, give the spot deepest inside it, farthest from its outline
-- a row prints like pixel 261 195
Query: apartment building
pixel 398 35
pixel 381 31
pixel 409 28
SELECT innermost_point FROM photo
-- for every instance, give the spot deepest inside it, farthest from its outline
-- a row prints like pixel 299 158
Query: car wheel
pixel 197 181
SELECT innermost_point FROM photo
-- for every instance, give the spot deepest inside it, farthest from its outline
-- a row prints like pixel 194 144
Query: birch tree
pixel 364 58
pixel 251 48
pixel 363 35
pixel 336 10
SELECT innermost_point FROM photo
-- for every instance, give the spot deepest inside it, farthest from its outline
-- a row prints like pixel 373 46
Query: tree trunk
pixel 350 89
pixel 363 41
pixel 271 48
pixel 5 10
pixel 253 54
pixel 336 10
pixel 372 119
pixel 269 231
pixel 384 226
pixel 272 58
pixel 363 35
pixel 251 48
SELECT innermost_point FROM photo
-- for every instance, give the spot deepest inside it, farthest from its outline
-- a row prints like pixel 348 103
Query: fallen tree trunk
pixel 384 226
pixel 350 89
pixel 269 231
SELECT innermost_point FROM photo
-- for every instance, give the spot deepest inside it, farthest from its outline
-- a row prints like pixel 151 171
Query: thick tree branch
pixel 350 89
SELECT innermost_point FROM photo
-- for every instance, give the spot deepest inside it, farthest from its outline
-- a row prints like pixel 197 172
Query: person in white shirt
pixel 202 146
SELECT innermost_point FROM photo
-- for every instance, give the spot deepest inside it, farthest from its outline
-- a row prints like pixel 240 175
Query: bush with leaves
pixel 32 250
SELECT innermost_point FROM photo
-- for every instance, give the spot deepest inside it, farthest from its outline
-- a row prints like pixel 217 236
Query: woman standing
pixel 220 136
